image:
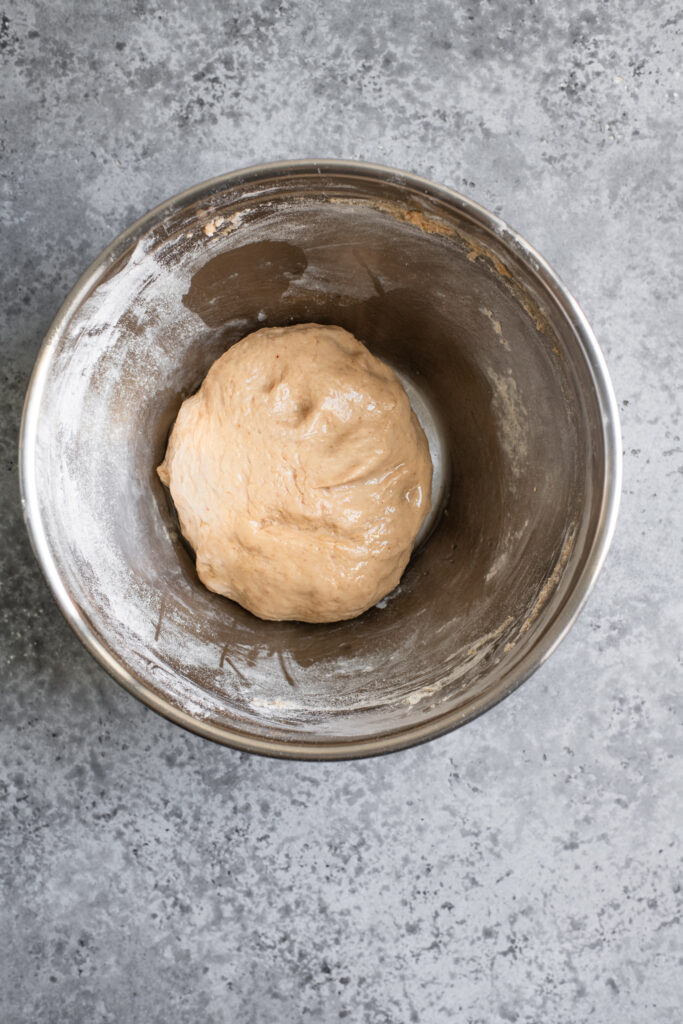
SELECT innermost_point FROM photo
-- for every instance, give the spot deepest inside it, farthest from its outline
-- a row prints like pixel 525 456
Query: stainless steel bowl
pixel 502 368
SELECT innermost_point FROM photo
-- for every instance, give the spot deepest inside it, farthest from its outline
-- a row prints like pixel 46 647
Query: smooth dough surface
pixel 300 474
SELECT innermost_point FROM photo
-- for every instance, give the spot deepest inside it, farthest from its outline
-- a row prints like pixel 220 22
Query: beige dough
pixel 300 475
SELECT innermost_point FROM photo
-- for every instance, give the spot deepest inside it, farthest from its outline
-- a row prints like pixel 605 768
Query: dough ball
pixel 300 474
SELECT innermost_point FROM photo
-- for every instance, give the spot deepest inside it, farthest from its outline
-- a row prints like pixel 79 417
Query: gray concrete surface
pixel 526 868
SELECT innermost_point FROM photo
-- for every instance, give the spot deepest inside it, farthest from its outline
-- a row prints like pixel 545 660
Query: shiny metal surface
pixel 496 350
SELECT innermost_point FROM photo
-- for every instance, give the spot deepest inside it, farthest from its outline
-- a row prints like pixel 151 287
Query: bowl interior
pixel 490 355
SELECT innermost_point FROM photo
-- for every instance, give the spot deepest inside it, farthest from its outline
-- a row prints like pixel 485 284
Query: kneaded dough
pixel 300 474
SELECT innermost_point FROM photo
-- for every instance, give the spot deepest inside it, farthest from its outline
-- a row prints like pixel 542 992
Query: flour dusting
pixel 120 369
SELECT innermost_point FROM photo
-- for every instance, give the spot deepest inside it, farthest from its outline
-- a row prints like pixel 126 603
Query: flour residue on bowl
pixel 134 349
pixel 512 419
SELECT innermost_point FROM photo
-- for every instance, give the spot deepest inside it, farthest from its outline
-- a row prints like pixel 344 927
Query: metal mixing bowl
pixel 502 369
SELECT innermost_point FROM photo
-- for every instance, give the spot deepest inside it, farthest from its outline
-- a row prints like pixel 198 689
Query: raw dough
pixel 300 474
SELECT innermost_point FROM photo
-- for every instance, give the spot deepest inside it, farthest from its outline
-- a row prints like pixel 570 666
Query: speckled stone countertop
pixel 525 868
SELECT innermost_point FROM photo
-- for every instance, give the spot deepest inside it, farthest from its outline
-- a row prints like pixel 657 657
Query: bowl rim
pixel 340 749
